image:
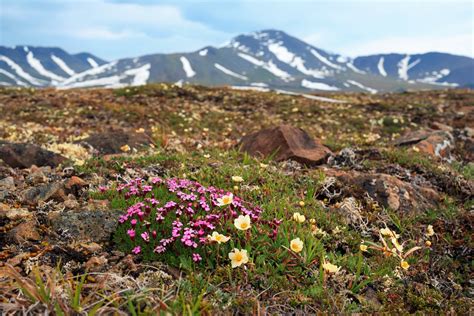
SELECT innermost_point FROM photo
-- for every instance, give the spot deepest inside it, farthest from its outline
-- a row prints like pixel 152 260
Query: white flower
pixel 238 257
pixel 225 199
pixel 237 179
pixel 242 222
pixel 296 245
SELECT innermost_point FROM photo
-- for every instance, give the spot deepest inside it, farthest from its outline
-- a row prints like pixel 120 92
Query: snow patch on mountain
pixel 229 72
pixel 251 59
pixel 140 75
pixel 380 67
pixel 404 66
pixel 360 85
pixel 433 77
pixel 12 77
pixel 324 60
pixel 20 72
pixel 284 55
pixel 92 62
pixel 91 72
pixel 354 68
pixel 187 67
pixel 36 65
pixel 259 84
pixel 271 67
pixel 318 85
pixel 63 65
pixel 203 52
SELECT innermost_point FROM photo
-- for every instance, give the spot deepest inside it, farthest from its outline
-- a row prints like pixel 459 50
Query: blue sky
pixel 115 29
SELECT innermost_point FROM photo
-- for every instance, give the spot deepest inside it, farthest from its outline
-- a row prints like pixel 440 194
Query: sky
pixel 113 29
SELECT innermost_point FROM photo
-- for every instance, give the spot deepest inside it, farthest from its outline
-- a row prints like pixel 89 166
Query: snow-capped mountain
pixel 264 60
pixel 42 66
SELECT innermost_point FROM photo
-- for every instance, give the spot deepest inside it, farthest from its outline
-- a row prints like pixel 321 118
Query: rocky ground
pixel 352 166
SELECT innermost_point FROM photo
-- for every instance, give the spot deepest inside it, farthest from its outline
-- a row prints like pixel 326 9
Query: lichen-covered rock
pixel 438 143
pixel 285 142
pixel 116 141
pixel 23 155
pixel 82 225
pixel 387 190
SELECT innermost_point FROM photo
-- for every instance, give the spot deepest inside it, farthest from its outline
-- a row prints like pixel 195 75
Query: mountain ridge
pixel 263 60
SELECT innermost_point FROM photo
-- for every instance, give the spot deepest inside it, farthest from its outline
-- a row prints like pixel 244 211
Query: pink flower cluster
pixel 178 212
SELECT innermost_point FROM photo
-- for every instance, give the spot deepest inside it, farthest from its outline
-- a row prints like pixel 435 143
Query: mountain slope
pixel 42 66
pixel 272 59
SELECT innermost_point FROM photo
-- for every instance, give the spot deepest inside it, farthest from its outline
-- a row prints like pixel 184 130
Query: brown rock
pixel 24 232
pixel 285 142
pixel 25 155
pixel 95 264
pixel 114 142
pixel 387 190
pixel 74 182
pixel 44 193
pixel 434 143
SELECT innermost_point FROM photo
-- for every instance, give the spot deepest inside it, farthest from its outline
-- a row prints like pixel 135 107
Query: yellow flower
pixel 301 203
pixel 237 179
pixel 219 238
pixel 396 244
pixel 428 243
pixel 430 231
pixel 296 245
pixel 331 268
pixel 207 156
pixel 225 200
pixel 312 221
pixel 236 188
pixel 125 148
pixel 242 222
pixel 297 217
pixel 262 165
pixel 238 257
pixel 363 247
pixel 404 265
pixel 388 232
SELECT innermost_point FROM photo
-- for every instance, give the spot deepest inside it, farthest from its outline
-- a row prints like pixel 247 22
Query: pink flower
pixel 131 233
pixel 145 236
pixel 196 257
pixel 102 188
pixel 137 250
pixel 133 222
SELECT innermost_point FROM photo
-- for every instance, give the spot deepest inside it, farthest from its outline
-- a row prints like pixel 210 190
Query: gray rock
pixel 96 226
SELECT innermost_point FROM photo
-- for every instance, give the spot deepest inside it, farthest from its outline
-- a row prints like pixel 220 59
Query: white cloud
pixel 461 44
pixel 105 34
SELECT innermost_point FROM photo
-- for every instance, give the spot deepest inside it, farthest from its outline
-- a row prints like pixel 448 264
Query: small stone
pixel 91 246
pixel 44 192
pixel 95 264
pixel 36 177
pixel 7 183
pixel 17 213
pixel 74 182
pixel 26 231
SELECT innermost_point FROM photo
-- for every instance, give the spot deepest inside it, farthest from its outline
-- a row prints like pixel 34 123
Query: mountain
pixel 272 59
pixel 42 66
